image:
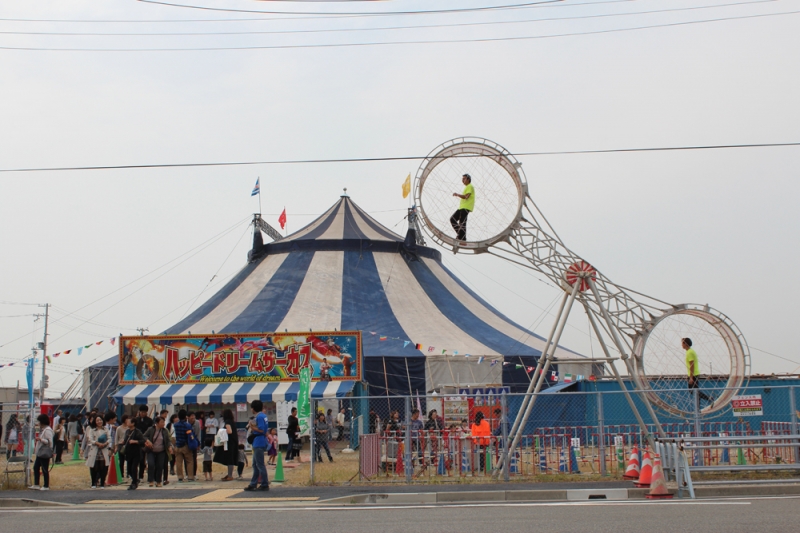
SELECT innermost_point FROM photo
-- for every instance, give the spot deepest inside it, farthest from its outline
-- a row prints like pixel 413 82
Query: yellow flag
pixel 407 186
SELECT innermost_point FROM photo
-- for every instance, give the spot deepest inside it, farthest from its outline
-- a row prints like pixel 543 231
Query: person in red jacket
pixel 481 436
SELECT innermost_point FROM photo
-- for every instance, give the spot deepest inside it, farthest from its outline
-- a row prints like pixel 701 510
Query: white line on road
pixel 184 507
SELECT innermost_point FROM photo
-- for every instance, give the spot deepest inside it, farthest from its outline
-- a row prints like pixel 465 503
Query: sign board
pixel 241 407
pixel 239 357
pixel 749 405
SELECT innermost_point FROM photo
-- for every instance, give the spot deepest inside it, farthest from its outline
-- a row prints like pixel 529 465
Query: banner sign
pixel 304 402
pixel 749 405
pixel 240 357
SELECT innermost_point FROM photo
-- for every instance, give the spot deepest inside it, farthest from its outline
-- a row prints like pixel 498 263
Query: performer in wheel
pixel 693 370
pixel 465 207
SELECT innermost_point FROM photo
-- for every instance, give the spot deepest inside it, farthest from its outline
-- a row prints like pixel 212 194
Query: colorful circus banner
pixel 240 357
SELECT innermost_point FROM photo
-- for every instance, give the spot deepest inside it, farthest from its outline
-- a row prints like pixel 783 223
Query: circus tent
pixel 345 271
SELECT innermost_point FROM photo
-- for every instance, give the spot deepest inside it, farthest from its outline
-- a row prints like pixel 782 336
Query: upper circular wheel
pixel 500 191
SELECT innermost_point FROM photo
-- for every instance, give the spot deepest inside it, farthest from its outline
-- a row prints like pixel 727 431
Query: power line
pixel 394 158
pixel 259 19
pixel 356 13
pixel 384 28
pixel 397 43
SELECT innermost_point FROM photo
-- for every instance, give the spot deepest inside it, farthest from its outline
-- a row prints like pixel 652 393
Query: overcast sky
pixel 114 250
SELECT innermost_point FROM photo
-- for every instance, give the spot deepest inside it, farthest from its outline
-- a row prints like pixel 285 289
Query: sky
pixel 118 249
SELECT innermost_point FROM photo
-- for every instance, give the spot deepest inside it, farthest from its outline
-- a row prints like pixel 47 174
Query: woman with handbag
pixel 44 452
pixel 97 456
pixel 228 452
pixel 158 444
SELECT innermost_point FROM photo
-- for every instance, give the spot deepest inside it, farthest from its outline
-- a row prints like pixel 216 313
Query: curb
pixel 609 494
pixel 27 503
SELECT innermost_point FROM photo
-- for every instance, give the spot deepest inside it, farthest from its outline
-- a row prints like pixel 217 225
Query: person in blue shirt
pixel 259 427
pixel 182 452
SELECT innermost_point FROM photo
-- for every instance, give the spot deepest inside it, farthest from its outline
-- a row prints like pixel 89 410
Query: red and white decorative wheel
pixel 581 271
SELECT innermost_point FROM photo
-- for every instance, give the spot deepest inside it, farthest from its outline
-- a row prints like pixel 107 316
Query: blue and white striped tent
pixel 346 271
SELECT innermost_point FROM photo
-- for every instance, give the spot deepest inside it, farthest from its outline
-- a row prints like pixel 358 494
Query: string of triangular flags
pixel 79 350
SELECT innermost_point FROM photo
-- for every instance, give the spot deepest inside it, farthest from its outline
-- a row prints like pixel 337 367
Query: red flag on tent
pixel 282 219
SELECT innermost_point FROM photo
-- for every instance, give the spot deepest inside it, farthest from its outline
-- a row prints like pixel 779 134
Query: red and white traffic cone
pixel 646 473
pixel 658 486
pixel 632 472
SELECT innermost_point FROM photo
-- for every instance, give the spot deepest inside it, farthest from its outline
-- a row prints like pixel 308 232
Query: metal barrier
pixel 428 438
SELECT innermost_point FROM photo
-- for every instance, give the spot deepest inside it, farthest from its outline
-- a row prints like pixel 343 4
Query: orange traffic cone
pixel 658 486
pixel 111 478
pixel 632 472
pixel 646 473
pixel 399 467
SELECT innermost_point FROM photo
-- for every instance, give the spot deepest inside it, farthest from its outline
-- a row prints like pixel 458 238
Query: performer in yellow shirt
pixel 693 370
pixel 465 207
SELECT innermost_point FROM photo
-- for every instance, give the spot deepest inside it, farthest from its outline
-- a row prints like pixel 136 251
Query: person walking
pixel 131 448
pixel 340 418
pixel 321 434
pixel 183 455
pixel 292 430
pixel 143 423
pixel 13 429
pixel 459 219
pixel 43 452
pixel 272 446
pixel 60 436
pixel 481 435
pixel 157 444
pixel 196 431
pixel 693 370
pixel 97 456
pixel 72 431
pixel 228 453
pixel 259 427
pixel 119 448
pixel 171 427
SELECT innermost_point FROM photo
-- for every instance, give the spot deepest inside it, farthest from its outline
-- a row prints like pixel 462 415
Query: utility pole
pixel 43 347
pixel 141 331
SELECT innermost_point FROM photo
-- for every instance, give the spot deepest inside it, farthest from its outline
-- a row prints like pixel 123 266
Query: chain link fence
pixel 458 437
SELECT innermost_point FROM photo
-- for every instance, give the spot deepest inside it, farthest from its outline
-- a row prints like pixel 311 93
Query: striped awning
pixel 208 393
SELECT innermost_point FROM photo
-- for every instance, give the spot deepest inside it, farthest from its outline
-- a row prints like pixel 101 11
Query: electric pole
pixel 44 355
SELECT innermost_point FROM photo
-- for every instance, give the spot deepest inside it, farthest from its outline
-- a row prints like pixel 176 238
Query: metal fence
pixel 434 438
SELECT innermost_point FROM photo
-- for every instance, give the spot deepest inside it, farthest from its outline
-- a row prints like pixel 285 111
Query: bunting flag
pixel 466 355
pixel 282 219
pixel 529 369
pixel 406 343
pixel 80 350
pixel 567 378
pixel 443 351
pixel 257 188
pixel 553 376
pixel 494 362
pixel 88 346
pixel 382 338
pixel 66 352
pixel 113 340
pixel 480 359
pixel 517 366
pixel 98 343
pixel 431 348
pixel 506 363
pixel 592 378
pixel 455 352
pixel 48 359
pixel 407 186
pixel 373 332
pixel 418 346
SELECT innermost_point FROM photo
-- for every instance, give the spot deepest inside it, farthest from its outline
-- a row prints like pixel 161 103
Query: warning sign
pixel 749 405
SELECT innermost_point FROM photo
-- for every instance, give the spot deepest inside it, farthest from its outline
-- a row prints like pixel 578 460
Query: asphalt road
pixel 745 515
